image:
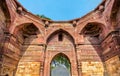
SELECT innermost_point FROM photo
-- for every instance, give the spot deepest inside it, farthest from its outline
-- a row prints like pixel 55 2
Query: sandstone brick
pixel 24 52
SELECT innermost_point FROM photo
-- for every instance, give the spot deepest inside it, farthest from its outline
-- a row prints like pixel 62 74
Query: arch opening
pixel 25 31
pixel 61 34
pixel 29 29
pixel 92 29
pixel 60 65
pixel 94 32
pixel 60 37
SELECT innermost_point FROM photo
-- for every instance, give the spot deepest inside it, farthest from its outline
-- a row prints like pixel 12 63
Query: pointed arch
pixel 93 27
pixel 21 25
pixel 58 61
pixel 25 27
pixel 60 31
pixel 61 54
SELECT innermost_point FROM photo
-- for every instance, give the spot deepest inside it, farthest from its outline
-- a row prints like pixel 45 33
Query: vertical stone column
pixel 105 69
pixel 1 61
pixel 79 68
pixel 44 57
pixel 41 68
pixel 0 69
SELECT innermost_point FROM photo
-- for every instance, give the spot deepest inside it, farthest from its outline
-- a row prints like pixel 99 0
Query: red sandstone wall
pixel 88 55
pixel 2 25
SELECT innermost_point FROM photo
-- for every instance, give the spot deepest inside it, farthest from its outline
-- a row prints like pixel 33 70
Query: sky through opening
pixel 60 10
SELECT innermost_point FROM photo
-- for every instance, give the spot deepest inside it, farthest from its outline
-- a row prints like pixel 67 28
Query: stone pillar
pixel 41 68
pixel 0 69
pixel 1 65
pixel 79 68
pixel 44 59
pixel 105 69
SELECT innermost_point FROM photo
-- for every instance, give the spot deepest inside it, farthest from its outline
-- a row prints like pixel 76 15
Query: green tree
pixel 60 60
pixel 43 16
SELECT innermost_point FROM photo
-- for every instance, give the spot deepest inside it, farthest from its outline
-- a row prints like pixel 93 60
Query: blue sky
pixel 60 9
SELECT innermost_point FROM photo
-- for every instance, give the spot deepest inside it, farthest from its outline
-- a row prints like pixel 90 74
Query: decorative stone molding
pixel 74 23
pixel 20 10
pixel 101 8
pixel 47 24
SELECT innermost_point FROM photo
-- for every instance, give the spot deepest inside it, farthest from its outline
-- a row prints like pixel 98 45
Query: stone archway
pixel 60 42
pixel 30 60
pixel 60 66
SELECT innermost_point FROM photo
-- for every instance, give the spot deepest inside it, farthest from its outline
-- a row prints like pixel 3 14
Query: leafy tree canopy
pixel 43 16
pixel 60 60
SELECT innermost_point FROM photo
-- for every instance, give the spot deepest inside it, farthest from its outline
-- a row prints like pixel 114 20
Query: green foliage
pixel 43 16
pixel 60 60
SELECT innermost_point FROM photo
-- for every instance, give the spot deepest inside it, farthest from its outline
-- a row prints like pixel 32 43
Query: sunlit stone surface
pixel 28 44
pixel 28 69
pixel 113 66
pixel 92 69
